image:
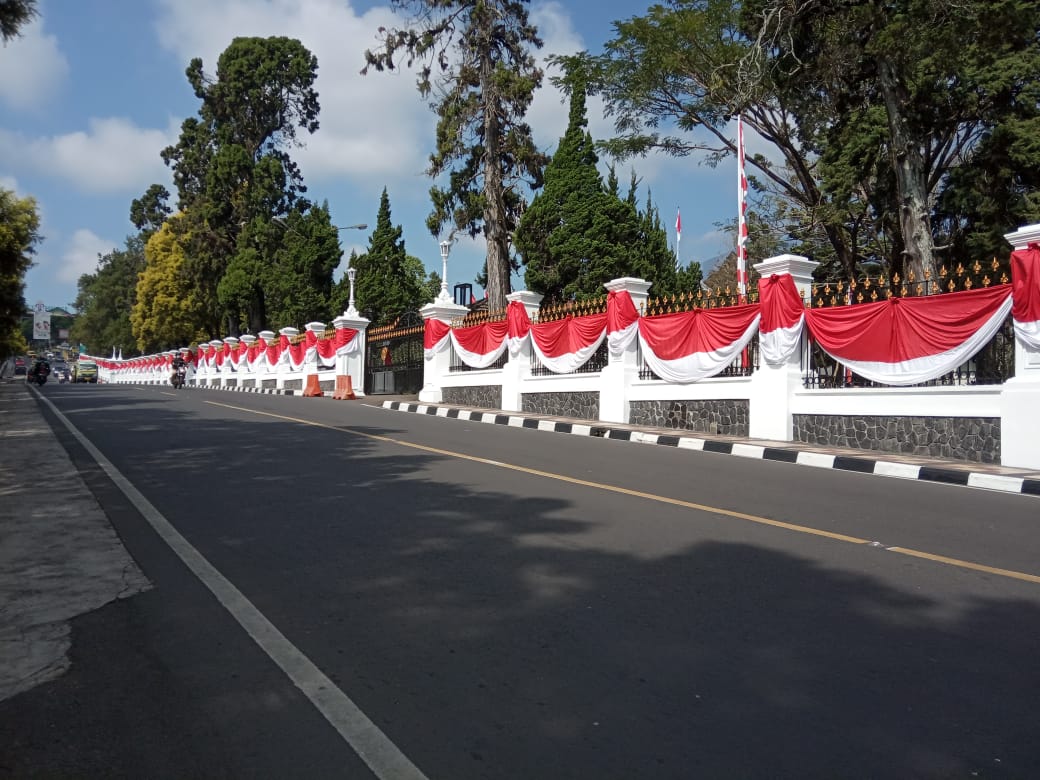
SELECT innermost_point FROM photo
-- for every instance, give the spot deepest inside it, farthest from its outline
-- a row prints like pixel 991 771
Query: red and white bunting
pixel 698 344
pixel 904 341
pixel 566 345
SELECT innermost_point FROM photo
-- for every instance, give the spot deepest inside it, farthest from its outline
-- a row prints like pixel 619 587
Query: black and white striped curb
pixel 817 459
pixel 261 390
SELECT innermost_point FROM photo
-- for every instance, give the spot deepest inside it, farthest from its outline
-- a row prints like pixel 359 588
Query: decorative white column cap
pixel 266 335
pixel 526 297
pixel 290 332
pixel 1024 236
pixel 801 268
pixel 631 284
pixel 445 311
pixel 317 328
pixel 216 343
pixel 354 323
pixel 249 339
pixel 231 341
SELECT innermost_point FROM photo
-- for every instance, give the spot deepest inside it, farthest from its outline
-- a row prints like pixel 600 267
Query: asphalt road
pixel 509 603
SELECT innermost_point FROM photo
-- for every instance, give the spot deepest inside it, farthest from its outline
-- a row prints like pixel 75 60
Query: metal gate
pixel 394 357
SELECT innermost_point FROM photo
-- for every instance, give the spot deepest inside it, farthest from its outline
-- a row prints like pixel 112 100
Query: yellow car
pixel 85 371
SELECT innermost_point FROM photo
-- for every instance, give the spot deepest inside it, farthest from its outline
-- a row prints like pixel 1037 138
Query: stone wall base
pixel 728 417
pixel 477 396
pixel 579 405
pixel 960 438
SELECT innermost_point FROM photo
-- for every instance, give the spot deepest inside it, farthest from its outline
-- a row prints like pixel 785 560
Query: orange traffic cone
pixel 344 388
pixel 313 388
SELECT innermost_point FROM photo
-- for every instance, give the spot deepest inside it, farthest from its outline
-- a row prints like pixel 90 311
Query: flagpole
pixel 678 236
pixel 742 230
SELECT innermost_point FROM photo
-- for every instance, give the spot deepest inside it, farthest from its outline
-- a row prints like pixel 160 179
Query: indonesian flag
pixel 783 317
pixel 904 341
pixel 698 344
pixel 678 224
pixel 1025 286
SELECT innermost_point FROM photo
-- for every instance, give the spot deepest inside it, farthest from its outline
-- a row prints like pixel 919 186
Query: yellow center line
pixel 802 529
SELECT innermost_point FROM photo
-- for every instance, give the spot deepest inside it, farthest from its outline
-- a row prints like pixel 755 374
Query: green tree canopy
pixel 14 15
pixel 19 235
pixel 233 172
pixel 389 282
pixel 483 145
pixel 578 234
pixel 165 315
pixel 106 298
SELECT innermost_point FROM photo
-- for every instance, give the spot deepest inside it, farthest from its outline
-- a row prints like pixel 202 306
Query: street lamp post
pixel 445 250
pixel 351 309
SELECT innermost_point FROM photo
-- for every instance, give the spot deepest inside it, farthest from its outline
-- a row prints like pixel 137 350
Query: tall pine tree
pixel 389 282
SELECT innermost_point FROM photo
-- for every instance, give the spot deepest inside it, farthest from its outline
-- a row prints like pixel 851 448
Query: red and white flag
pixel 678 235
pixel 742 230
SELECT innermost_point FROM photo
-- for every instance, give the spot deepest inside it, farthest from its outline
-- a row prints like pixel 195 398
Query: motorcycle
pixel 178 377
pixel 39 375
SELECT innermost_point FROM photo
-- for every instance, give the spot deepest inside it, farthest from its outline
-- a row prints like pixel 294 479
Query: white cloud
pixel 112 155
pixel 80 255
pixel 32 68
pixel 373 127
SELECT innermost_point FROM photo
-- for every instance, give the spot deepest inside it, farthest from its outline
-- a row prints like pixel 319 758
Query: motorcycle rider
pixel 179 367
pixel 40 368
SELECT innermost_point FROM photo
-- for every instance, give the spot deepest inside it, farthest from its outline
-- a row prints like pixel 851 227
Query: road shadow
pixel 496 633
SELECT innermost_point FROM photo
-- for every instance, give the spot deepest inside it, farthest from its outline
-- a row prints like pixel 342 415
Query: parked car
pixel 21 366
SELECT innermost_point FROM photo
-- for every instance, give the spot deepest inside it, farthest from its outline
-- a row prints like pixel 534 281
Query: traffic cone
pixel 313 388
pixel 344 388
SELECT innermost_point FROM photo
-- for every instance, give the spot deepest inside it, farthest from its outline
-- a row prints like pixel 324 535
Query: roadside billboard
pixel 41 322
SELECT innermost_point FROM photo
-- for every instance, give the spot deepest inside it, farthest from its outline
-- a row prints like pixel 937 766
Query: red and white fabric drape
pixel 783 318
pixel 692 345
pixel 622 322
pixel 903 341
pixel 436 337
pixel 1025 284
pixel 479 346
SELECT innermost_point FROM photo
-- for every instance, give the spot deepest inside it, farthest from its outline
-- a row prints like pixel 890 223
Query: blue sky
pixel 94 90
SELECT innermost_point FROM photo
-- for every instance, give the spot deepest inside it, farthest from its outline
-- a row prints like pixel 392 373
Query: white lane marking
pixel 383 757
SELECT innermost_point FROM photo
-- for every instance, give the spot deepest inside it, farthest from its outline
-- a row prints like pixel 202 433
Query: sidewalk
pixel 59 556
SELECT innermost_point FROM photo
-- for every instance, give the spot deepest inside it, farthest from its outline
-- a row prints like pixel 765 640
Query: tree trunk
pixel 495 231
pixel 911 183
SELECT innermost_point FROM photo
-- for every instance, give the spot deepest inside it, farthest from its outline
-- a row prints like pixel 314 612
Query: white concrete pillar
pixel 772 387
pixel 622 370
pixel 438 367
pixel 353 363
pixel 1020 396
pixel 518 367
pixel 285 369
pixel 263 368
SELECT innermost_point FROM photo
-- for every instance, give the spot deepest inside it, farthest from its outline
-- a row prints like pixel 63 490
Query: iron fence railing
pixel 745 364
pixel 593 365
pixel 456 365
pixel 994 364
